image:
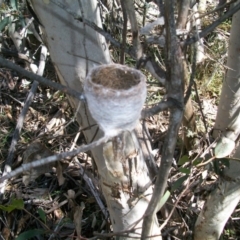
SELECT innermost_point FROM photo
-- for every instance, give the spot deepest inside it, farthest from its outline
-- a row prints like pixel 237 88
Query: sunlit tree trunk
pixel 222 202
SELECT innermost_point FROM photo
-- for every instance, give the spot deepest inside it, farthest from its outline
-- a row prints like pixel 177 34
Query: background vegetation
pixel 58 203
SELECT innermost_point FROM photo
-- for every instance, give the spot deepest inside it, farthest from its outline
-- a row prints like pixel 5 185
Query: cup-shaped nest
pixel 115 95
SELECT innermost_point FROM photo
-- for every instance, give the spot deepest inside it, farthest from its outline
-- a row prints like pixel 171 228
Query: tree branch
pixel 134 27
pixel 80 96
pixel 212 26
pixel 159 107
pixel 28 102
pixel 42 80
pixel 175 91
pixel 54 158
pixel 182 14
pixel 17 131
pixel 124 32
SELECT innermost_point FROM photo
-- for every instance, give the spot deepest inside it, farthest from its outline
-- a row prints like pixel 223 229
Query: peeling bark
pixel 74 49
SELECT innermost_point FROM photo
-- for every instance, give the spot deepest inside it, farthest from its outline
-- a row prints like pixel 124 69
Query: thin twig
pixel 16 54
pixel 17 131
pixel 26 106
pixel 53 235
pixel 207 162
pixel 54 158
pixel 193 74
pixel 27 26
pixel 212 26
pixel 200 107
pixel 124 32
pixel 176 203
pixel 8 64
pixel 159 107
pixel 57 86
pixel 217 9
pixel 93 190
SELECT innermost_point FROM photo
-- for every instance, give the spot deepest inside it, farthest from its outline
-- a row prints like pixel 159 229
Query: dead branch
pixel 17 131
pixel 212 26
pixel 42 80
pixel 80 96
pixel 124 32
pixel 54 158
pixel 159 107
pixel 26 107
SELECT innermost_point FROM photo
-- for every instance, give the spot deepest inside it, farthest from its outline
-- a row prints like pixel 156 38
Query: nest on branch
pixel 115 95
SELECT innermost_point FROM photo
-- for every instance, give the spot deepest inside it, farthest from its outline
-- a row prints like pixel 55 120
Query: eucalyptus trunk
pixel 222 202
pixel 75 49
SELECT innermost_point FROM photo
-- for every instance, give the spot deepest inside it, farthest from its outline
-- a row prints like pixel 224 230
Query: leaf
pixel 78 212
pixel 17 203
pixel 14 204
pixel 217 168
pixel 220 164
pixel 42 215
pixel 197 161
pixel 14 4
pixel 22 20
pixel 224 147
pixel 185 170
pixel 183 160
pixel 179 182
pixel 4 23
pixel 60 177
pixel 30 234
pixel 225 162
pixel 164 199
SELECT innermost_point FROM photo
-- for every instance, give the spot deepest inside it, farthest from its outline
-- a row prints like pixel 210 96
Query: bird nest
pixel 115 95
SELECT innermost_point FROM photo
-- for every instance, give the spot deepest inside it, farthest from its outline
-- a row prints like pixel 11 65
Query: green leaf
pixel 183 160
pixel 21 20
pixel 164 199
pixel 42 215
pixel 217 168
pixel 224 147
pixel 185 170
pixel 225 161
pixel 17 203
pixel 179 182
pixel 197 161
pixel 4 23
pixel 14 204
pixel 220 164
pixel 14 4
pixel 30 234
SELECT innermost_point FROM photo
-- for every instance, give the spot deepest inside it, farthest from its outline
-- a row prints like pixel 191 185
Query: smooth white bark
pixel 228 116
pixel 222 202
pixel 74 50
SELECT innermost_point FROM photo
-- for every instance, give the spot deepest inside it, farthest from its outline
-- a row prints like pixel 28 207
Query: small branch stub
pixel 115 95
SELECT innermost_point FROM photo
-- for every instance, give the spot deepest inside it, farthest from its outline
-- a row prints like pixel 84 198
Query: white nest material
pixel 115 95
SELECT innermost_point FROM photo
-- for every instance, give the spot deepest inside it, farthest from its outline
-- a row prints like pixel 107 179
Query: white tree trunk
pixel 228 116
pixel 75 49
pixel 222 202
